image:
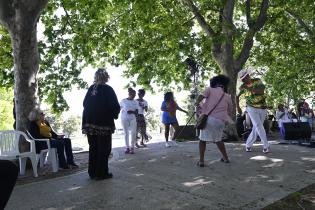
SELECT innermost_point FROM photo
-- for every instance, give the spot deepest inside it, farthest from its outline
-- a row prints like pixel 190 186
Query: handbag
pixel 202 119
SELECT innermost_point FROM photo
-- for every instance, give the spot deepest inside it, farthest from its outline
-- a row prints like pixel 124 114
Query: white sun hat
pixel 242 74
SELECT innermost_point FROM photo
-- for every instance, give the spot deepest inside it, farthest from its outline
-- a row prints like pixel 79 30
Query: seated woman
pixel 283 116
pixel 41 129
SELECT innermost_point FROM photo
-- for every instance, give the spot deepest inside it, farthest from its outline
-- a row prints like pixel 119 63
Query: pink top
pixel 222 110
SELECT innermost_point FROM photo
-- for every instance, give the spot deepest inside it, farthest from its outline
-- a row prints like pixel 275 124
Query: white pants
pixel 130 125
pixel 257 117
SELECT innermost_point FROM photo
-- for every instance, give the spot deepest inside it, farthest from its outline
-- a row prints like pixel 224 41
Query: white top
pixel 284 118
pixel 128 105
pixel 142 105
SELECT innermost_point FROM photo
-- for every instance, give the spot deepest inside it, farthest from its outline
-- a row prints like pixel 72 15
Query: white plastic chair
pixel 46 154
pixel 9 149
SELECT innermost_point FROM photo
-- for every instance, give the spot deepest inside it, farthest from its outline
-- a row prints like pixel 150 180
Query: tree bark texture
pixel 20 17
pixel 223 50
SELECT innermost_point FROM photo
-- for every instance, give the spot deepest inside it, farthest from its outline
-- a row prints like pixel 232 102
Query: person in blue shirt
pixel 169 108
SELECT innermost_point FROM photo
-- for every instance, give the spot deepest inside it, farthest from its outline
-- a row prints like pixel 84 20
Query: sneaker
pixel 225 161
pixel 266 150
pixel 174 143
pixel 167 144
pixel 127 151
pixel 73 166
pixel 143 144
pixel 132 151
pixel 248 149
pixel 137 145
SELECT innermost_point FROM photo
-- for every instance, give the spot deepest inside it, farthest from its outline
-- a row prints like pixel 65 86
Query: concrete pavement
pixel 168 178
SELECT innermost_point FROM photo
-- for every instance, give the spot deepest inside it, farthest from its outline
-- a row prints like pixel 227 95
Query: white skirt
pixel 213 130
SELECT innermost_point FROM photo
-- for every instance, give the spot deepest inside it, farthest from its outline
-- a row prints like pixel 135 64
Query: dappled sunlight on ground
pixel 198 181
pixel 308 158
pixel 275 162
pixel 310 171
pixel 74 188
pixel 264 177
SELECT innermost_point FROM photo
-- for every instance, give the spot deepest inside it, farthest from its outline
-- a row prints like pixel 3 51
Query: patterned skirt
pixel 142 126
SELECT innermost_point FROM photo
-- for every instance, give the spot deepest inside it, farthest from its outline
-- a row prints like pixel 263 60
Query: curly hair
pixel 168 96
pixel 141 91
pixel 220 81
pixel 101 76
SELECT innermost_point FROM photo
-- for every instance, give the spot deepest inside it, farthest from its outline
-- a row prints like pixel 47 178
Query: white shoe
pixel 266 150
pixel 174 143
pixel 167 144
pixel 248 149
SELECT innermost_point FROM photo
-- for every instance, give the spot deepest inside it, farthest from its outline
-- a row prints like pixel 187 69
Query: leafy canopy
pixel 154 37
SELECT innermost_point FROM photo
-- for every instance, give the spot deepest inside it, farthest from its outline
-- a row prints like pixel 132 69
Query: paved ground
pixel 167 178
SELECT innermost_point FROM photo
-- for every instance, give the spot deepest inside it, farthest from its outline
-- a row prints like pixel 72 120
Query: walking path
pixel 168 178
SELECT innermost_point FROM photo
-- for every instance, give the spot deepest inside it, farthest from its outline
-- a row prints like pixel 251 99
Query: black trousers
pixel 8 175
pixel 99 151
pixel 63 145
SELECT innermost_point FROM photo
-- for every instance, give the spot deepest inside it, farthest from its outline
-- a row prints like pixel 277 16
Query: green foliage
pixel 154 37
pixel 288 53
pixel 152 119
pixel 60 124
pixel 6 59
pixel 72 125
pixel 6 109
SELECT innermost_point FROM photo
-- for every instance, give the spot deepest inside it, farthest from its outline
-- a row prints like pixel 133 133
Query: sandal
pixel 142 144
pixel 200 164
pixel 224 161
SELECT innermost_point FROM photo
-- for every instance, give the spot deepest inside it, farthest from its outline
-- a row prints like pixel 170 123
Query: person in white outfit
pixel 129 110
pixel 254 91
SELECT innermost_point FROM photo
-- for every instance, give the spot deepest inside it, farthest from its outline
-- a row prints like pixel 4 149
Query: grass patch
pixel 303 199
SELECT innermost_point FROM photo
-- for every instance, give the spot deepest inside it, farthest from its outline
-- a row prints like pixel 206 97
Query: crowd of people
pixel 101 108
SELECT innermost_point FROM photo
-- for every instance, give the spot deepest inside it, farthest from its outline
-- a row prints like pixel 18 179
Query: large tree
pixel 154 37
pixel 20 18
pixel 287 49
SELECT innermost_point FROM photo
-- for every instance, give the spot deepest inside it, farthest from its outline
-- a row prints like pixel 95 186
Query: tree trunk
pixel 226 63
pixel 20 17
pixel 26 66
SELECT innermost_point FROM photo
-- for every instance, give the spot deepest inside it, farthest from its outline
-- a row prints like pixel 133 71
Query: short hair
pixel 168 96
pixel 220 81
pixel 141 91
pixel 280 105
pixel 101 76
pixel 34 115
pixel 131 90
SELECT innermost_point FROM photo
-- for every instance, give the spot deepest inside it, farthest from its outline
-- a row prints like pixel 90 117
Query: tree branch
pixel 249 38
pixel 302 24
pixel 201 20
pixel 262 18
pixel 6 12
pixel 67 19
pixel 248 15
